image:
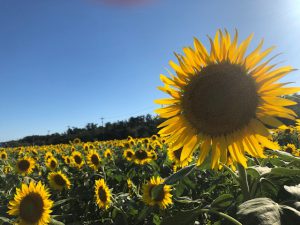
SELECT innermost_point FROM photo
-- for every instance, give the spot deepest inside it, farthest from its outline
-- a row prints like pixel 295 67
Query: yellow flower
pixel 77 159
pixel 290 148
pixel 152 155
pixel 108 153
pixel 52 163
pixel 102 194
pixel 67 160
pixel 128 154
pixel 31 204
pixel 129 183
pixel 164 197
pixel 48 155
pixel 222 101
pixel 93 160
pixel 25 165
pixel 76 141
pixel 3 155
pixel 174 156
pixel 141 157
pixel 59 181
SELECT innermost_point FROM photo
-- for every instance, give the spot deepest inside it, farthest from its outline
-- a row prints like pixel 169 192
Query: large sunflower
pixel 108 154
pixel 174 156
pixel 77 159
pixel 163 199
pixel 141 157
pixel 290 148
pixel 52 163
pixel 93 160
pixel 31 204
pixel 128 154
pixel 102 193
pixel 222 101
pixel 3 155
pixel 59 181
pixel 25 165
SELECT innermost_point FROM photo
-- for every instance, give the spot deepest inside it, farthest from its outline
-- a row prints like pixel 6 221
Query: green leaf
pixel 179 189
pixel 157 191
pixel 262 211
pixel 285 171
pixel 5 220
pixel 61 202
pixel 285 156
pixel 253 172
pixel 144 213
pixel 156 219
pixel 293 190
pixel 289 215
pixel 182 218
pixel 268 189
pixel 55 222
pixel 179 175
pixel 223 201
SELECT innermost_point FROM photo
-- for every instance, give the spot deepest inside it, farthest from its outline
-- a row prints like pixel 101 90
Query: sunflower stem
pixel 225 216
pixel 243 182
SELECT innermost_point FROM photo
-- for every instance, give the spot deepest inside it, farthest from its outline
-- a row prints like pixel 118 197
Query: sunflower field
pixel 142 181
pixel 222 154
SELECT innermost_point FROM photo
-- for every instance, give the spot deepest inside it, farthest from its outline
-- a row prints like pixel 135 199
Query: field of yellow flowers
pixel 140 181
pixel 215 159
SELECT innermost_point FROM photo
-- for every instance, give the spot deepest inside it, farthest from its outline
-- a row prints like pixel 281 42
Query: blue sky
pixel 70 62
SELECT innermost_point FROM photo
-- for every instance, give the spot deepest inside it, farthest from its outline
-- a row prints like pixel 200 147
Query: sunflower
pixel 86 147
pixel 163 199
pixel 93 160
pixel 48 155
pixel 290 148
pixel 25 165
pixel 222 101
pixel 174 156
pixel 67 160
pixel 128 154
pixel 154 137
pixel 102 193
pixel 52 163
pixel 76 141
pixel 152 155
pixel 77 159
pixel 141 157
pixel 3 155
pixel 59 181
pixel 108 153
pixel 31 204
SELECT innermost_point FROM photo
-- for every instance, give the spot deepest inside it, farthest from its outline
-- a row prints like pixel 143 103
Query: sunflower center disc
pixel 141 154
pixel 95 159
pixel 77 159
pixel 160 196
pixel 289 150
pixel 59 180
pixel 129 154
pixel 24 165
pixel 53 164
pixel 31 208
pixel 177 153
pixel 220 99
pixel 102 194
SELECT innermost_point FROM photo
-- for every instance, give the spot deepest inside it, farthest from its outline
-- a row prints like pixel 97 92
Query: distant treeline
pixel 140 126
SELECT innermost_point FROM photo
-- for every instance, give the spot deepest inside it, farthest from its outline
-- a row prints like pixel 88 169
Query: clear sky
pixel 70 62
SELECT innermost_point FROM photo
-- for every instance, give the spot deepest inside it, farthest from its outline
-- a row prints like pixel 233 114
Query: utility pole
pixel 102 128
pixel 102 121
